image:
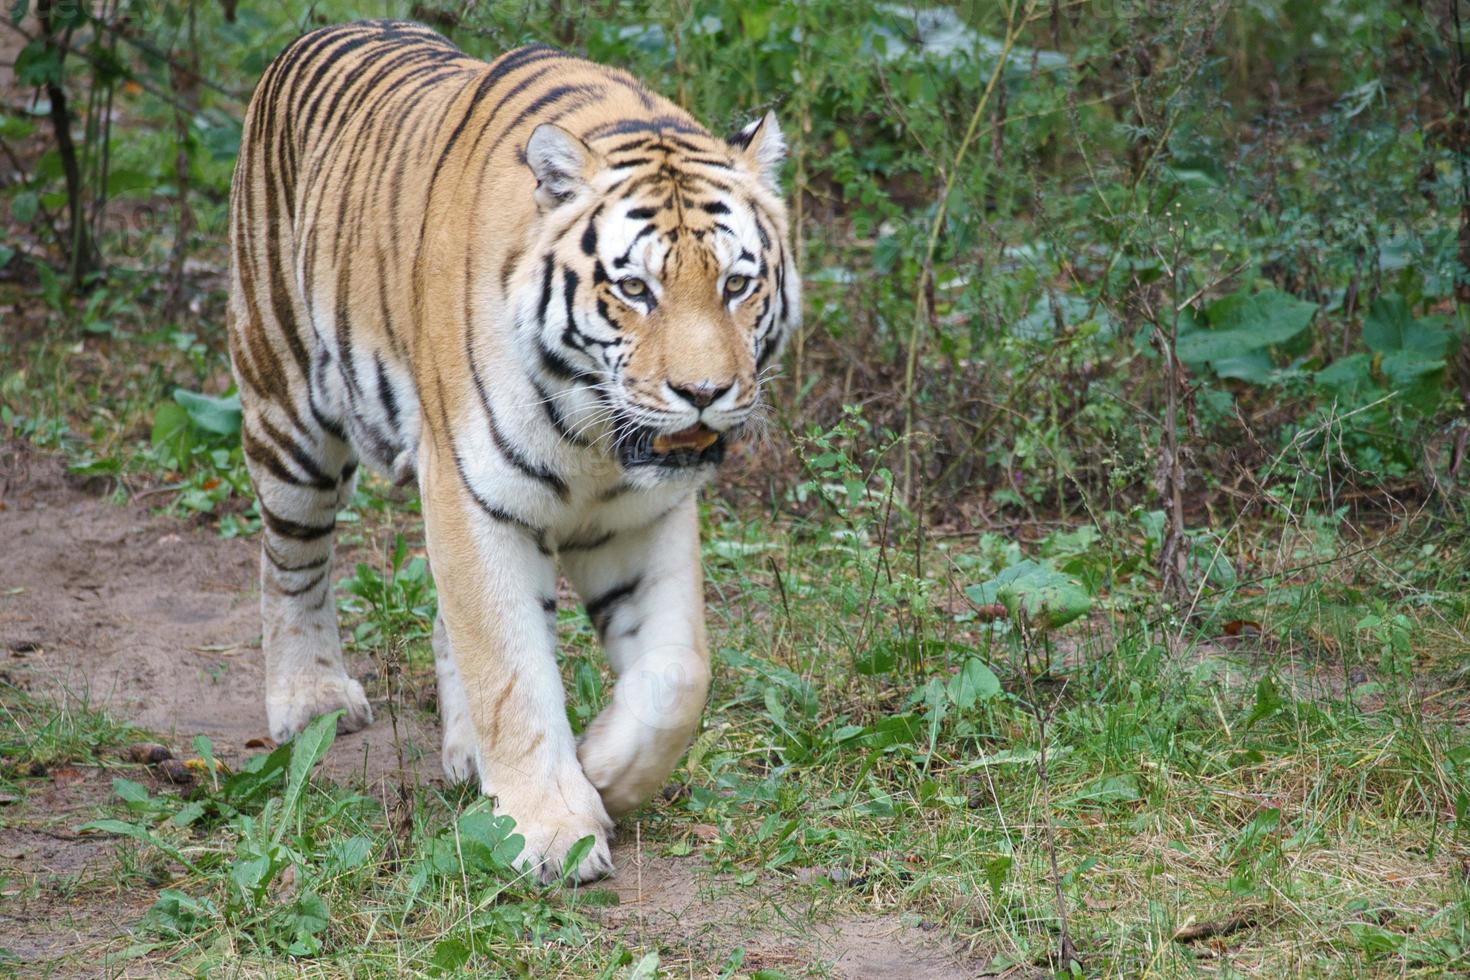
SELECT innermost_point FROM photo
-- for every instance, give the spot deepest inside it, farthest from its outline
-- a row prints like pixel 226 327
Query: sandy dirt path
pixel 155 619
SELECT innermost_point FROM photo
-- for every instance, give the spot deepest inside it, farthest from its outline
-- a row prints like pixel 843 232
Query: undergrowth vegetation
pixel 1097 599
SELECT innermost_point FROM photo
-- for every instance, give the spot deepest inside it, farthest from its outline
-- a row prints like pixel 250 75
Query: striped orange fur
pixel 547 295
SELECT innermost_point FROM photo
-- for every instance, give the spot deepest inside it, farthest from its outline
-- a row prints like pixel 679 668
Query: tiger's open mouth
pixel 697 445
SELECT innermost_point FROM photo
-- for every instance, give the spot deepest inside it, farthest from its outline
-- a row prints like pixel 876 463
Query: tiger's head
pixel 665 288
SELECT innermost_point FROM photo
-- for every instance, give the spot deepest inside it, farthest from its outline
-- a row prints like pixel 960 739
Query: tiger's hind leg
pixel 302 476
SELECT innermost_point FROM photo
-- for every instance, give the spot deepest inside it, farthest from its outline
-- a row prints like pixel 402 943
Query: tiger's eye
pixel 632 286
pixel 736 284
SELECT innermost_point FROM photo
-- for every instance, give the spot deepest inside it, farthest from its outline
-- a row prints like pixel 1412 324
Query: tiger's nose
pixel 701 394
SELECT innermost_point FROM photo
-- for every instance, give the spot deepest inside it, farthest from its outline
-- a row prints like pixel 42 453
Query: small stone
pixel 148 753
pixel 175 772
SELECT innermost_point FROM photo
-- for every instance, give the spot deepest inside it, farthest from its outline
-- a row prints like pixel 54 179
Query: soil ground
pixel 155 621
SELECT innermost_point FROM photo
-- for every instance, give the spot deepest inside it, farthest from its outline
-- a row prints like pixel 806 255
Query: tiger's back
pixel 547 295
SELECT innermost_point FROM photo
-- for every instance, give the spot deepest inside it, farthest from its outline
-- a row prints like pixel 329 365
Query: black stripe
pixel 491 510
pixel 542 102
pixel 601 609
pixel 586 544
pixel 286 528
pixel 506 97
pixel 685 144
pixel 614 492
pixel 547 282
pixel 638 144
pixel 559 367
pixel 318 579
pixel 570 332
pixel 512 454
pixel 589 234
pixel 760 226
pixel 281 565
pixel 385 394
pixel 660 125
pixel 512 60
pixel 554 416
pixel 623 259
pixel 258 451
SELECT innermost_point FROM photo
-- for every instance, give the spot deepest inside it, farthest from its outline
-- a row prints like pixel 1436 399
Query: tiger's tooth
pixel 698 439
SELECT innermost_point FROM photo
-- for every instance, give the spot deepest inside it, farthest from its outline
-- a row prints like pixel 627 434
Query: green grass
pixel 1301 787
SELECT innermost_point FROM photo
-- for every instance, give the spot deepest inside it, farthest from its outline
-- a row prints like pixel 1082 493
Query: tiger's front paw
pixel 292 703
pixel 550 827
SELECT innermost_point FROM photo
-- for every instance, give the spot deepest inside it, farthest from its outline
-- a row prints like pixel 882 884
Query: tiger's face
pixel 676 288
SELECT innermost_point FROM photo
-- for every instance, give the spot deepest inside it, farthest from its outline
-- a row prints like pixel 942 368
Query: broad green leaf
pixel 449 955
pixel 974 682
pixel 310 915
pixel 1269 700
pixel 1036 590
pixel 1244 323
pixel 896 730
pixel 141 834
pixel 133 794
pixel 38 65
pixel 1347 374
pixel 1109 789
pixel 347 854
pixel 645 969
pixel 171 431
pixel 1254 366
pixel 256 776
pixel 575 854
pixel 1391 326
pixel 218 415
pixel 23 207
pixel 880 658
pixel 307 750
pixel 177 914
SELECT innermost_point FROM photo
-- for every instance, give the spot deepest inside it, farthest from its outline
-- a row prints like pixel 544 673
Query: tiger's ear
pixel 561 162
pixel 763 147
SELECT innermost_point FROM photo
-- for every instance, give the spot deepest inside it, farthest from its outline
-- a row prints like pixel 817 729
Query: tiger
pixel 549 298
